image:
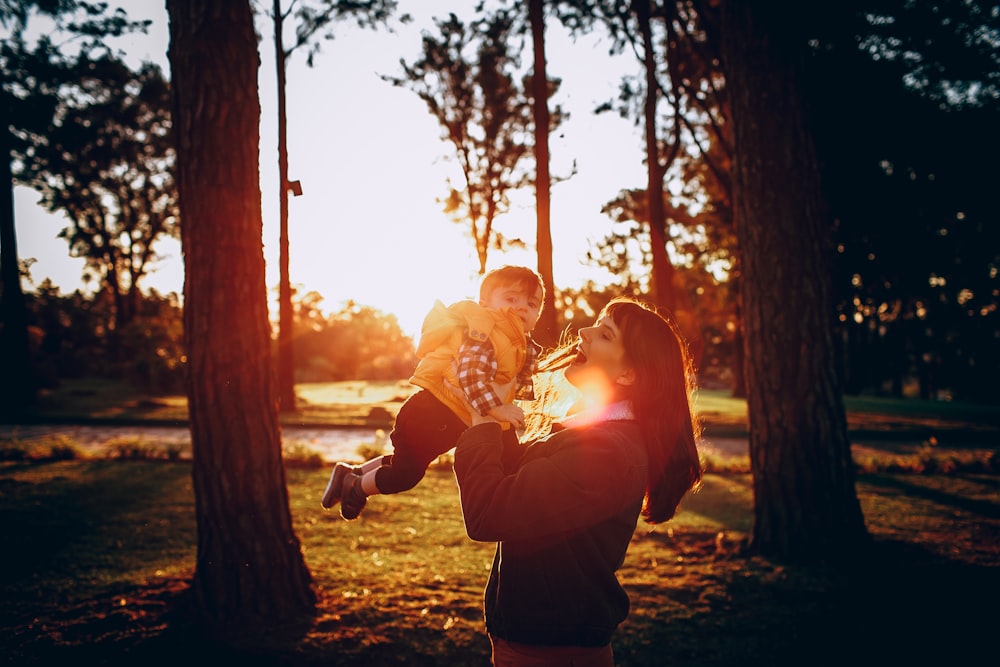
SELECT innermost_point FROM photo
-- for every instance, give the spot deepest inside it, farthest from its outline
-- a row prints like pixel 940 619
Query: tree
pixel 631 23
pixel 903 158
pixel 356 343
pixel 312 18
pixel 546 332
pixel 484 113
pixel 30 85
pixel 651 29
pixel 249 565
pixel 106 162
pixel 805 502
pixel 697 250
pixel 18 390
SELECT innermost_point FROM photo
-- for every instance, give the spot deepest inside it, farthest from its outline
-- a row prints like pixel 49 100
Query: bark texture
pixel 249 561
pixel 805 502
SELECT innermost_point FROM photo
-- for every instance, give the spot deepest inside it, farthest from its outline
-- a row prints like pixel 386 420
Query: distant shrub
pixel 369 450
pixel 298 455
pixel 55 447
pixel 133 449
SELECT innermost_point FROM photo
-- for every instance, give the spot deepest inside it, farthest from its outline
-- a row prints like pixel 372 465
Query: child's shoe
pixel 335 487
pixel 354 498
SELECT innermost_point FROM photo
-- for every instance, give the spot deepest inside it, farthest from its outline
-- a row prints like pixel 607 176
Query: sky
pixel 369 226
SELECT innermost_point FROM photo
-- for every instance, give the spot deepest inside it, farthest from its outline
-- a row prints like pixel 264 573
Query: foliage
pixel 298 455
pixel 38 55
pixel 923 82
pixel 945 50
pixel 703 276
pixel 56 447
pixel 32 79
pixel 317 17
pixel 356 343
pixel 106 162
pixel 467 78
pixel 75 337
pixel 921 87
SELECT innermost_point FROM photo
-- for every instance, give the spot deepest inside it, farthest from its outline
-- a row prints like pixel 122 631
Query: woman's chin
pixel 573 373
pixel 588 380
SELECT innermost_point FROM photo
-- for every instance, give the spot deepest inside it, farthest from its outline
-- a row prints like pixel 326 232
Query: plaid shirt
pixel 477 367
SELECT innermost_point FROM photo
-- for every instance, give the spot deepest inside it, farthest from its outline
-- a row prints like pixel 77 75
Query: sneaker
pixel 334 488
pixel 354 498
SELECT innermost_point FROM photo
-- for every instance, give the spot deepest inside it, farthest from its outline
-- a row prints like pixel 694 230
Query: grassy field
pixel 101 553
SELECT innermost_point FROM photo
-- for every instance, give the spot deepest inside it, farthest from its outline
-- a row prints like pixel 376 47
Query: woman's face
pixel 599 367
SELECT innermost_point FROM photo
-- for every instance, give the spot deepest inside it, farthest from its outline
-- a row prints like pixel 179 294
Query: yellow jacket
pixel 443 332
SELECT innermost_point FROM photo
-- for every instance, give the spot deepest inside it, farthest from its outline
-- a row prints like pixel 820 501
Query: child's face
pixel 513 298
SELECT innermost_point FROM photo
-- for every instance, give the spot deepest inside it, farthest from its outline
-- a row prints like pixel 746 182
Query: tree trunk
pixel 805 502
pixel 286 316
pixel 661 279
pixel 249 564
pixel 547 331
pixel 18 393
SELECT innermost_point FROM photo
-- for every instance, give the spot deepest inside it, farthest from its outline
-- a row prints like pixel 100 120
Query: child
pixel 482 349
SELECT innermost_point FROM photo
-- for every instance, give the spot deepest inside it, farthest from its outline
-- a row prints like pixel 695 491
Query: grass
pixel 106 548
pixel 102 551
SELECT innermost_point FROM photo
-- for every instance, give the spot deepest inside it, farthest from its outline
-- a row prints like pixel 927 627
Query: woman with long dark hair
pixel 564 519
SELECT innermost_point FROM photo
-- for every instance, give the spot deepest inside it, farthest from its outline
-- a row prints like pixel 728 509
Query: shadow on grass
pixel 987 508
pixel 79 587
pixel 901 606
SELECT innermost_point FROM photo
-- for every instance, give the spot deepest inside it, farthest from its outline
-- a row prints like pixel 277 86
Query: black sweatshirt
pixel 563 521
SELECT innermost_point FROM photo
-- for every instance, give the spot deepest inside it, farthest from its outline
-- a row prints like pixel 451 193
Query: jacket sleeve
pixel 573 487
pixel 476 367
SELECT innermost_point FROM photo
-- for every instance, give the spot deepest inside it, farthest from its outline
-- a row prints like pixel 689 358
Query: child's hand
pixel 508 412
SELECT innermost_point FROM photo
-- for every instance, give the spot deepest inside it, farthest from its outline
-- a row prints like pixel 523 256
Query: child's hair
pixel 520 276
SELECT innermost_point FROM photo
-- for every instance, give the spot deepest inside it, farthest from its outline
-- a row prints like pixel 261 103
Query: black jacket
pixel 563 521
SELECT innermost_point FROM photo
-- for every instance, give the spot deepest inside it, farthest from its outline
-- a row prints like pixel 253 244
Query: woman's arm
pixel 587 476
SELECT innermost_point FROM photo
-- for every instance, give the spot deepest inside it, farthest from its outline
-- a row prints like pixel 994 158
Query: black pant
pixel 425 429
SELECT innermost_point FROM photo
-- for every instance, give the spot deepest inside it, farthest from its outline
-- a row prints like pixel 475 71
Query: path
pixel 340 444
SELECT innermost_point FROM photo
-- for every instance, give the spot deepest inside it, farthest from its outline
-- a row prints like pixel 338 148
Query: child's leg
pixel 404 474
pixel 425 428
pixel 374 464
pixel 341 471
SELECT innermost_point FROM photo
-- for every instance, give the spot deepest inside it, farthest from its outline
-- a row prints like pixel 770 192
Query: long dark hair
pixel 661 399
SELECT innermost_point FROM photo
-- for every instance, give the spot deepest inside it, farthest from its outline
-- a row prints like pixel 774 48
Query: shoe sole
pixel 350 509
pixel 332 494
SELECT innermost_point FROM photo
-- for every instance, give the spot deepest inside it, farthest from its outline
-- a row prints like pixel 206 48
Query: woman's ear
pixel 626 379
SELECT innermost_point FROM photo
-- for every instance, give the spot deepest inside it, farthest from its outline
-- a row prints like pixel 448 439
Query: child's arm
pixel 477 367
pixel 508 412
pixel 525 377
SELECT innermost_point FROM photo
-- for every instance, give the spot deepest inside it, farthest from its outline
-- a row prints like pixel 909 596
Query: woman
pixel 564 518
